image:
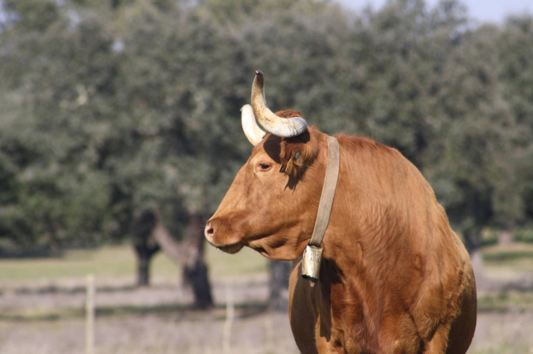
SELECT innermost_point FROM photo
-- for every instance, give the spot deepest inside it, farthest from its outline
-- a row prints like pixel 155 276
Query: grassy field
pixel 114 262
pixel 42 305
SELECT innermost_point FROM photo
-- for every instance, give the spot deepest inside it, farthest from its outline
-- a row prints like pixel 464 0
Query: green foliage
pixel 515 46
pixel 472 167
pixel 117 263
pixel 403 55
pixel 114 108
pixel 47 145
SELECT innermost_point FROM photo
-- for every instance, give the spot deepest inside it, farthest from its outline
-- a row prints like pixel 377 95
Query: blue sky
pixel 481 10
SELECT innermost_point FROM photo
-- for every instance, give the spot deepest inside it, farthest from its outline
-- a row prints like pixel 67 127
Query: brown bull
pixel 394 277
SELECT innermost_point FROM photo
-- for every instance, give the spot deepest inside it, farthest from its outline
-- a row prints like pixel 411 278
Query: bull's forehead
pixel 278 148
pixel 271 147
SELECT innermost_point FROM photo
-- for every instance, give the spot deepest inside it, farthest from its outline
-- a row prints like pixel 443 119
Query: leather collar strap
pixel 312 256
pixel 328 192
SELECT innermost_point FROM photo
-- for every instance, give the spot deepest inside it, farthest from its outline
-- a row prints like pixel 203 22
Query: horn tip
pixel 259 73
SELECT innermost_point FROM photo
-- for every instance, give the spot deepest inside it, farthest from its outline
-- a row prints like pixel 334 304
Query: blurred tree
pixel 515 57
pixel 121 117
pixel 401 52
pixel 172 106
pixel 471 167
pixel 71 133
pixel 52 73
pixel 302 47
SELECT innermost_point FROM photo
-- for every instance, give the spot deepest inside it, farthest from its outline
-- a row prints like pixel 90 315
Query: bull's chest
pixel 324 317
pixel 331 317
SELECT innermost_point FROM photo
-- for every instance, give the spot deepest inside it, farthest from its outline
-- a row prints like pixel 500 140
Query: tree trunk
pixel 195 269
pixel 189 254
pixel 144 245
pixel 197 277
pixel 506 237
pixel 473 246
pixel 279 284
pixel 144 254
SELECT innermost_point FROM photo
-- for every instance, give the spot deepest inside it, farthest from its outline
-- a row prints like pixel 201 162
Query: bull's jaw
pixel 270 247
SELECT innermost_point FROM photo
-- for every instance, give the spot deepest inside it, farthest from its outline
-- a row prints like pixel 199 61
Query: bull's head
pixel 272 203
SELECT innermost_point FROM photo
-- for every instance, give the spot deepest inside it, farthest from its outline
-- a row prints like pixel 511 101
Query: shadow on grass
pixel 174 311
pixel 244 310
pixel 54 289
pixel 502 298
pixel 45 316
pixel 502 257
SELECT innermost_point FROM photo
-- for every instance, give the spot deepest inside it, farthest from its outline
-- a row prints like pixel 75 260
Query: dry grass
pixel 517 257
pixel 41 306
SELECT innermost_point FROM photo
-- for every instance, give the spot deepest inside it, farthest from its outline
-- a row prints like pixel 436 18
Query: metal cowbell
pixel 311 260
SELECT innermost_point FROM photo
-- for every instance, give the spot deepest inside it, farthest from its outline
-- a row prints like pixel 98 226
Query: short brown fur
pixel 394 279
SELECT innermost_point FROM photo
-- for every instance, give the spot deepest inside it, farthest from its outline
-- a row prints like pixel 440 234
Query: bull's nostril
pixel 209 231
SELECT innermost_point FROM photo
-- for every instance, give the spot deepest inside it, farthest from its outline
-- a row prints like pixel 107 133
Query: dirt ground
pixel 49 319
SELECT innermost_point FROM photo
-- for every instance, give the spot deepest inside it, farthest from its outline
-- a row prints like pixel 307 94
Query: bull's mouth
pixel 231 249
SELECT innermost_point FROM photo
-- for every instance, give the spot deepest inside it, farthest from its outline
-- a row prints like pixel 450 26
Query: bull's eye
pixel 263 167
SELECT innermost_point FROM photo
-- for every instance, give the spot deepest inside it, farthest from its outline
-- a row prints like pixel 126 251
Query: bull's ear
pixel 297 153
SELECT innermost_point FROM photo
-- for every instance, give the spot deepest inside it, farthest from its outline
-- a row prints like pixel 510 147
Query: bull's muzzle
pixel 230 246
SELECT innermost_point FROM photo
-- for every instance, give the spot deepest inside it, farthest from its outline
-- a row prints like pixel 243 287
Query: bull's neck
pixel 329 189
pixel 313 252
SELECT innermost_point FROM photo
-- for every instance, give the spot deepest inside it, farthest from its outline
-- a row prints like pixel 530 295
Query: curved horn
pixel 282 127
pixel 252 130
